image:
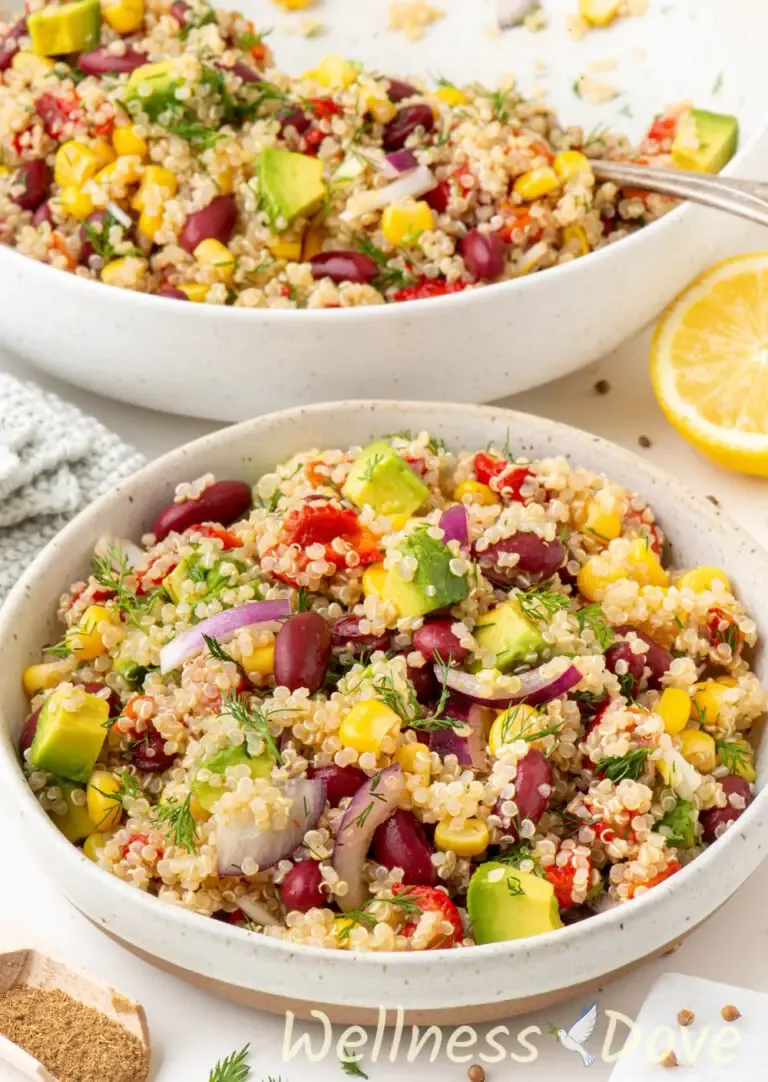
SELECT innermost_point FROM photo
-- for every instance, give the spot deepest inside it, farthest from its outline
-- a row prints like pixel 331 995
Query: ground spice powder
pixel 74 1042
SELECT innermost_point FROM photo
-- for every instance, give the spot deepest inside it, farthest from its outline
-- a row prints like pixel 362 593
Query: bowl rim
pixel 621 918
pixel 424 307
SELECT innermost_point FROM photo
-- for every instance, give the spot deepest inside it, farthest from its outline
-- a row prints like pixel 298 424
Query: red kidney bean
pixel 36 178
pixel 437 642
pixel 346 633
pixel 539 559
pixel 397 90
pixel 148 752
pixel 344 266
pixel 216 221
pixel 404 123
pixel 294 118
pixel 8 45
pixel 484 254
pixel 438 198
pixel 302 652
pixel 245 72
pixel 533 772
pixel 173 292
pixel 714 821
pixel 101 62
pixel 301 887
pixel 340 781
pixel 633 666
pixel 424 682
pixel 223 502
pixel 43 214
pixel 112 699
pixel 402 843
pixel 28 732
pixel 180 11
pixel 656 658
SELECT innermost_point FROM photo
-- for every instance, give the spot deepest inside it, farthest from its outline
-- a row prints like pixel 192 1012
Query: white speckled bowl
pixel 468 985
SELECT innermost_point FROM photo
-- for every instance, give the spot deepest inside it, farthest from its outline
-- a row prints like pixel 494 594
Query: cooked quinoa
pixel 338 706
pixel 218 178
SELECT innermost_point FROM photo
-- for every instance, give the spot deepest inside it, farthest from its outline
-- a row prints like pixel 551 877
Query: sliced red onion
pixel 399 162
pixel 258 913
pixel 372 805
pixel 409 186
pixel 455 524
pixel 537 688
pixel 222 626
pixel 467 743
pixel 238 841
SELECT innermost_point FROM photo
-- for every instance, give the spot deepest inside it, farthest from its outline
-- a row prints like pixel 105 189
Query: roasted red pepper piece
pixel 432 900
pixel 55 111
pixel 723 629
pixel 321 524
pixel 511 478
pixel 425 289
pixel 228 539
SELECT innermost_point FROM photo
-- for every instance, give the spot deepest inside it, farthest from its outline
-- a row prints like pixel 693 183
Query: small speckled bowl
pixel 483 983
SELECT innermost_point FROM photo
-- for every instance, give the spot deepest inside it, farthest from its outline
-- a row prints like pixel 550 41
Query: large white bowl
pixel 481 983
pixel 234 363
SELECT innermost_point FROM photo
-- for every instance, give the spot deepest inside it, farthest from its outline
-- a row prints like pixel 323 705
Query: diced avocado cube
pixel 207 794
pixel 74 27
pixel 75 824
pixel 508 633
pixel 70 733
pixel 705 142
pixel 172 583
pixel 678 825
pixel 505 903
pixel 433 586
pixel 153 87
pixel 291 185
pixel 384 481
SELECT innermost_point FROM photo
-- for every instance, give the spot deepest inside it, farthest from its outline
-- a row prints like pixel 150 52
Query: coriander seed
pixel 686 1018
pixel 476 1073
pixel 730 1013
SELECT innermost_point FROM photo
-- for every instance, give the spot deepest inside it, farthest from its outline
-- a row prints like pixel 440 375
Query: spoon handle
pixel 745 198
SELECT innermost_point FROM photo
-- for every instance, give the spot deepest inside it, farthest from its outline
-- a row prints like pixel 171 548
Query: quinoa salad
pixel 154 146
pixel 396 698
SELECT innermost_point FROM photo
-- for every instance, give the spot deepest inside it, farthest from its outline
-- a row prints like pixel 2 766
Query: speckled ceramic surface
pixel 471 982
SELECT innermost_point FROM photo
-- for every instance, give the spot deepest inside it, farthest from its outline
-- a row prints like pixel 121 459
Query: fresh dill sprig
pixel 351 1066
pixel 388 276
pixel 196 134
pixel 405 705
pixel 518 853
pixel 593 617
pixel 180 825
pixel 436 720
pixel 404 903
pixel 734 756
pixel 618 768
pixel 257 720
pixel 110 569
pixel 233 1068
pixel 515 887
pixel 527 730
pixel 573 823
pixel 302 599
pixel 541 602
pixel 215 649
pixel 58 649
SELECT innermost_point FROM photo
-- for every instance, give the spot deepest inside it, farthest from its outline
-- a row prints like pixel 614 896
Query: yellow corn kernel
pixel 342 926
pixel 104 809
pixel 403 223
pixel 30 64
pixel 194 291
pixel 699 749
pixel 644 566
pixel 599 12
pixel 451 95
pixel 700 579
pixel 126 141
pixel 602 525
pixel 294 5
pixel 104 152
pixel 475 492
pixel 511 723
pixel 595 576
pixel 398 522
pixel 124 16
pixel 335 72
pixel 155 176
pixel 367 725
pixel 261 660
pixel 285 249
pixel 468 841
pixel 738 756
pixel 93 845
pixel 217 257
pixel 150 224
pixel 569 163
pixel 225 179
pixel 536 182
pixel 45 675
pixel 674 709
pixel 313 240
pixel 415 759
pixel 374 577
pixel 74 202
pixel 75 163
pixel 127 272
pixel 84 639
pixel 197 811
pixel 75 823
pixel 707 701
pixel 123 172
pixel 4 170
pixel 576 233
pixel 381 109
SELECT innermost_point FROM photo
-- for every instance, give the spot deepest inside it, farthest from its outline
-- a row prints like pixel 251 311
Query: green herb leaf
pixel 257 720
pixel 181 828
pixel 622 767
pixel 351 1066
pixel 404 903
pixel 233 1068
pixel 215 649
pixel 593 617
pixel 110 570
pixel 515 887
pixel 734 756
pixel 541 602
pixel 198 135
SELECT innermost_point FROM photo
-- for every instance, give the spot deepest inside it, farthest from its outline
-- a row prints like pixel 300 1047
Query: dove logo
pixel 577 1036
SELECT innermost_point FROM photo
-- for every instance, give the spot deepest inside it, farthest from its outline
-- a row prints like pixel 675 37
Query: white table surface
pixel 191 1029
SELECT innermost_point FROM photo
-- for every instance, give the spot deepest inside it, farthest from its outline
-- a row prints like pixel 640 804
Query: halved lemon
pixel 709 363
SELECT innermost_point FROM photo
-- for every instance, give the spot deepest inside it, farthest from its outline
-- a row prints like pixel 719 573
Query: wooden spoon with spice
pixel 59 1025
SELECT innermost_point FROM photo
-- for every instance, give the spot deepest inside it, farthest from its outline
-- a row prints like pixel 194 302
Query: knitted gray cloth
pixel 54 460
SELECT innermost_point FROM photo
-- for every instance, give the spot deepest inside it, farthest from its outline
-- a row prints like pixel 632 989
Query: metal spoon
pixel 746 198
